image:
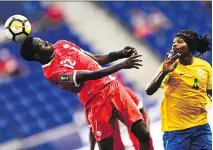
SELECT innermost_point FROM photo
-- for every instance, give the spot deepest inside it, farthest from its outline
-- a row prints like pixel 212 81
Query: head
pixel 187 43
pixel 35 49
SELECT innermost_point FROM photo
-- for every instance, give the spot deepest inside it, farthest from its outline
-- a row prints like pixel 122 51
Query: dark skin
pixel 45 53
pixel 92 138
pixel 182 55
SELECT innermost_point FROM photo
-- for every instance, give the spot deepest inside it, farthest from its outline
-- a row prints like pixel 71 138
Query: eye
pixel 180 41
pixel 40 45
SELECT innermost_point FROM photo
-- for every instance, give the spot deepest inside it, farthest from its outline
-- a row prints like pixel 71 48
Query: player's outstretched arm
pixel 113 56
pixel 155 84
pixel 131 62
pixel 169 65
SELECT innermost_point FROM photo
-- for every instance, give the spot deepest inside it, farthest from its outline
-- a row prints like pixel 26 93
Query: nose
pixel 46 43
pixel 174 45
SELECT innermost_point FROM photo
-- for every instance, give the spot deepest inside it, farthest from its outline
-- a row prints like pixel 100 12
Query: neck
pixel 47 59
pixel 188 60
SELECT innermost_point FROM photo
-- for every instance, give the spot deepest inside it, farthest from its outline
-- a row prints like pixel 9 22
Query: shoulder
pixel 66 44
pixel 202 62
pixel 60 42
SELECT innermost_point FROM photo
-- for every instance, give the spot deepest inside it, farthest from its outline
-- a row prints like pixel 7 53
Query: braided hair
pixel 27 50
pixel 196 44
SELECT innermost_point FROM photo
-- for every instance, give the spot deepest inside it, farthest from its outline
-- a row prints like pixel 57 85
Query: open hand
pixel 170 64
pixel 132 62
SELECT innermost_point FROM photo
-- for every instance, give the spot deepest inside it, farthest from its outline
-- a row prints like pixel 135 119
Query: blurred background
pixel 37 115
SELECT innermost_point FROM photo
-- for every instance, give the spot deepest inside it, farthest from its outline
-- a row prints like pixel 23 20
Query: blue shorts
pixel 195 138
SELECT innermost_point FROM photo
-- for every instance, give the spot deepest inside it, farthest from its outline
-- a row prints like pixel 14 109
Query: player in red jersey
pixel 103 97
pixel 123 138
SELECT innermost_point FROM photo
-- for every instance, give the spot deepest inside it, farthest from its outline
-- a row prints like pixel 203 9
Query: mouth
pixel 175 50
pixel 48 44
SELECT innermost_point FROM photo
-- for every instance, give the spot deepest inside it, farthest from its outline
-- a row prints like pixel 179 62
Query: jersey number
pixel 68 63
pixel 195 84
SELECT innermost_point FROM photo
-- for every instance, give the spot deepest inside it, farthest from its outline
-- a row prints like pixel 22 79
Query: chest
pixel 193 76
pixel 74 58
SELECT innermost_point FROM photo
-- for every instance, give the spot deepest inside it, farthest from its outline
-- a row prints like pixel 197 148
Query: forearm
pixel 102 59
pixel 105 59
pixel 155 83
pixel 92 140
pixel 84 75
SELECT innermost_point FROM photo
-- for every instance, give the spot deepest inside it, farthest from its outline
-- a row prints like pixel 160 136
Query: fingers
pixel 134 52
pixel 175 64
pixel 131 50
pixel 138 64
pixel 175 57
pixel 167 54
pixel 135 56
pixel 128 47
pixel 136 60
pixel 136 67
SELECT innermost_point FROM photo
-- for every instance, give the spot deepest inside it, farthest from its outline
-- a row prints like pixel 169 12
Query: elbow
pixel 149 92
pixel 99 61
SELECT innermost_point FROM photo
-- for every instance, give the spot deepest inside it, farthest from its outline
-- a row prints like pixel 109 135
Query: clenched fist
pixel 128 51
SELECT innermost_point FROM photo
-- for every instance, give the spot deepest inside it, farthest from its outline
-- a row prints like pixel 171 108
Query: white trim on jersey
pixel 45 65
pixel 74 79
pixel 140 105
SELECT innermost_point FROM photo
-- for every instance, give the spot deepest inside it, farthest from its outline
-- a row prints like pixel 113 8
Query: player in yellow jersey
pixel 187 83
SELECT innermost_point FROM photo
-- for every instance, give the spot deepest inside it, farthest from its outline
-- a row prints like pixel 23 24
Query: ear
pixel 36 56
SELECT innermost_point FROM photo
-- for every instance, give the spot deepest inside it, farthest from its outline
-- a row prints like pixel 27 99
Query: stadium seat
pixel 180 15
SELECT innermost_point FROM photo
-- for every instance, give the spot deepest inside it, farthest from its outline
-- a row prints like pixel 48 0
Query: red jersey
pixel 134 97
pixel 69 58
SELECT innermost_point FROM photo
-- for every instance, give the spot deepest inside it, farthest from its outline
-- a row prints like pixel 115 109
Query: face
pixel 180 46
pixel 42 47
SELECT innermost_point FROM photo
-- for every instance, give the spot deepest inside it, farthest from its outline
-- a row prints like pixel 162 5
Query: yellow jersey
pixel 185 98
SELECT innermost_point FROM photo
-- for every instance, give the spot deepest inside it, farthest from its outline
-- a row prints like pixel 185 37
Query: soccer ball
pixel 17 28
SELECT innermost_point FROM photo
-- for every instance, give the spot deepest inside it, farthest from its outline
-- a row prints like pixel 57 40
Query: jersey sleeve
pixel 134 97
pixel 65 79
pixel 165 80
pixel 209 81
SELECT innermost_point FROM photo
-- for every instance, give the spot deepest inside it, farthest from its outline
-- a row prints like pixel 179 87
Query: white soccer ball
pixel 17 28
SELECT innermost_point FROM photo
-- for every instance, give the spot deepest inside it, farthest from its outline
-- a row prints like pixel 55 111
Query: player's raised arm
pixel 74 79
pixel 113 56
pixel 131 62
pixel 169 65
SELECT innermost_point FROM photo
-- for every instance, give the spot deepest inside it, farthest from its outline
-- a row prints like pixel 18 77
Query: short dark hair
pixel 27 50
pixel 195 42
